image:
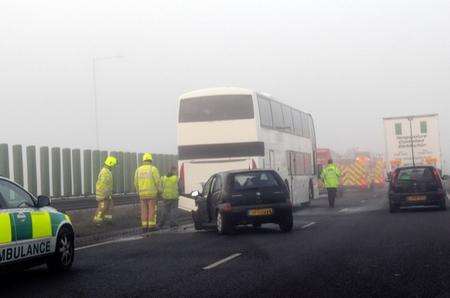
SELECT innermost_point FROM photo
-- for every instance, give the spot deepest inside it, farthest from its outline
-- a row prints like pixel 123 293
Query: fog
pixel 349 63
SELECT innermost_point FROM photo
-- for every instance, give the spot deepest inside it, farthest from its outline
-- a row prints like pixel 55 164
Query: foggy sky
pixel 349 63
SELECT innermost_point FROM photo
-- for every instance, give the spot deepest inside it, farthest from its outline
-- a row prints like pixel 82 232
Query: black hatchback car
pixel 416 186
pixel 243 197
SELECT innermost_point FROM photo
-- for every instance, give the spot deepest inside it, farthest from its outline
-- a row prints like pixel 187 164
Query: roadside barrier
pixel 65 173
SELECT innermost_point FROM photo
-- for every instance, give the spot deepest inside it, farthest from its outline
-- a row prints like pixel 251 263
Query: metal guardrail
pixel 80 203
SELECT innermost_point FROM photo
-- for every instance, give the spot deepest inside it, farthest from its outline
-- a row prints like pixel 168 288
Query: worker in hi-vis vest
pixel 103 192
pixel 147 182
pixel 330 176
pixel 170 194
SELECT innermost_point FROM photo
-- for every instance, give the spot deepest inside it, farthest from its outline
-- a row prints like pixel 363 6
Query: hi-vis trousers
pixel 104 211
pixel 148 212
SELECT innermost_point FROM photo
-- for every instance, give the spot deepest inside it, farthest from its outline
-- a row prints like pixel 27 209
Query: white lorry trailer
pixel 412 140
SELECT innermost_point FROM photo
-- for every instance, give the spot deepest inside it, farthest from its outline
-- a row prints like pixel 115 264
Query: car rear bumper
pixel 240 215
pixel 431 199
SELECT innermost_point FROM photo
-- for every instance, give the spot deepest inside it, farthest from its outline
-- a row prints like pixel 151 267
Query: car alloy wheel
pixel 65 250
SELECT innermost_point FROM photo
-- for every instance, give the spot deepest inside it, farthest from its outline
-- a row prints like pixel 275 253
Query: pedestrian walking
pixel 103 192
pixel 330 176
pixel 147 182
pixel 170 193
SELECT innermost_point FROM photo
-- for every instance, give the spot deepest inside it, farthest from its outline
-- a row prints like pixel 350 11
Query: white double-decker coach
pixel 228 128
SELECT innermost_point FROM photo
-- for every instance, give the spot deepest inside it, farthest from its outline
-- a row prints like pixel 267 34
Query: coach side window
pixel 265 113
pixel 297 122
pixel 13 196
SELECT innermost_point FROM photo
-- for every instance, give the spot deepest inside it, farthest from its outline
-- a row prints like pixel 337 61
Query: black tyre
pixel 311 192
pixel 444 205
pixel 224 226
pixel 65 251
pixel 287 223
pixel 197 224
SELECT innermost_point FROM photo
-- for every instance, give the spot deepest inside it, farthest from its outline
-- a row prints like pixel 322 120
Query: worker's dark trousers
pixel 331 196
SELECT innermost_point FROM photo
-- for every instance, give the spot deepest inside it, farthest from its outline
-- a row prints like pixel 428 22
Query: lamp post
pixel 94 80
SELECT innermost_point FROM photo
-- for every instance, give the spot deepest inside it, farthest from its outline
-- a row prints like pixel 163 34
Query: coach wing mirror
pixel 195 193
pixel 43 201
pixel 445 177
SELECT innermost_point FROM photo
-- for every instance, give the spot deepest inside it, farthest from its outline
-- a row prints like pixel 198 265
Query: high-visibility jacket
pixel 169 187
pixel 147 181
pixel 330 176
pixel 104 185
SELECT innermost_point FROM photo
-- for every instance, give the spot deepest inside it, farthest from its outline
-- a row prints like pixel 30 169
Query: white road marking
pixel 110 242
pixel 308 225
pixel 218 263
pixel 343 210
pixel 362 201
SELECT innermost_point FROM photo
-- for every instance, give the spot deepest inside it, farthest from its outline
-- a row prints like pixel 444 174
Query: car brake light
pixel 254 167
pixel 394 178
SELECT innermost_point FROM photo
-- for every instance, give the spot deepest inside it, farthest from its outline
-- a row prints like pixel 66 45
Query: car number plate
pixel 416 198
pixel 260 212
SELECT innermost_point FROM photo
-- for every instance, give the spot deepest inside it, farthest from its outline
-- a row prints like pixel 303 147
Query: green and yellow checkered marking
pixel 17 226
pixel 5 228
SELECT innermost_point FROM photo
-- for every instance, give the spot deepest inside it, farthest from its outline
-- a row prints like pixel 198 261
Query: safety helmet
pixel 111 161
pixel 147 157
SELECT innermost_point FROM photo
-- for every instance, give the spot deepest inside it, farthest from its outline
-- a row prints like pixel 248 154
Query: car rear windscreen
pixel 417 179
pixel 254 180
pixel 216 108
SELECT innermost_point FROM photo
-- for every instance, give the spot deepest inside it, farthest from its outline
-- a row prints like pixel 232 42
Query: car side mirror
pixel 195 194
pixel 43 201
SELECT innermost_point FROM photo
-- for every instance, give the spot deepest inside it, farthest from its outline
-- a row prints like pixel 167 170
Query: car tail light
pixel 226 207
pixel 254 167
pixel 394 178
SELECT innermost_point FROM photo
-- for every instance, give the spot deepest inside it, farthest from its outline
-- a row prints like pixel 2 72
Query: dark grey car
pixel 243 197
pixel 416 186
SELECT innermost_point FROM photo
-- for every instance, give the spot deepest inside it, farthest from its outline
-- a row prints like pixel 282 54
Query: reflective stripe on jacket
pixel 104 185
pixel 169 187
pixel 330 176
pixel 147 181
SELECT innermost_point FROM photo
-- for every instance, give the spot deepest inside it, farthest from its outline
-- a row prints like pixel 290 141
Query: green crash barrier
pixel 140 157
pixel 4 160
pixel 134 165
pixel 18 164
pixel 67 172
pixel 31 170
pixel 126 172
pixel 44 170
pixel 87 172
pixel 95 167
pixel 56 172
pixel 103 156
pixel 115 173
pixel 76 172
pixel 156 161
pixel 120 172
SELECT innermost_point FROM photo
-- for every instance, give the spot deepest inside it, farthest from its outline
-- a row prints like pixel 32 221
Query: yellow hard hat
pixel 147 157
pixel 111 161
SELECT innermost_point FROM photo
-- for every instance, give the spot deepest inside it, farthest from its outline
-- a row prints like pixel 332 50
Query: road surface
pixel 356 249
